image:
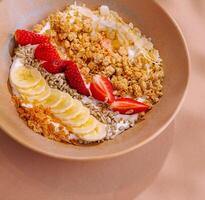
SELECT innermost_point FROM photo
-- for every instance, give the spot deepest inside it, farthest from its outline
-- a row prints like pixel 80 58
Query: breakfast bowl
pixel 166 37
pixel 149 138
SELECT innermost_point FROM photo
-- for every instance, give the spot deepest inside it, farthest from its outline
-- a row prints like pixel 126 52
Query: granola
pixel 84 75
pixel 100 50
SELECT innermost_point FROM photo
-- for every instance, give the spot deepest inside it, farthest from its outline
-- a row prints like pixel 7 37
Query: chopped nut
pixel 40 119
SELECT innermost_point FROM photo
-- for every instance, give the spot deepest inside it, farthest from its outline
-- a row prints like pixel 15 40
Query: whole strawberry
pixel 75 79
pixel 46 52
pixel 24 37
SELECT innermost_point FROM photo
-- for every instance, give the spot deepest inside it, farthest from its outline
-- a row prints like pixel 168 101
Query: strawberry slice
pixel 128 106
pixel 56 66
pixel 46 52
pixel 74 78
pixel 24 37
pixel 101 89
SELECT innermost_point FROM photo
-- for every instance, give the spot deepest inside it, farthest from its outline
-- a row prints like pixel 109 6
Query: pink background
pixel 183 175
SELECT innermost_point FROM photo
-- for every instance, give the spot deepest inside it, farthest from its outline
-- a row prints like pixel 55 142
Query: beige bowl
pixel 154 22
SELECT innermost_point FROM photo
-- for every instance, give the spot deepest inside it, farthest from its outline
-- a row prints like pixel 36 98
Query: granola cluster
pixel 102 52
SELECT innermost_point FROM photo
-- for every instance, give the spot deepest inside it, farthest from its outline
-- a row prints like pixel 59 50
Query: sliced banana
pixel 40 97
pixel 87 127
pixel 53 99
pixel 65 103
pixel 97 134
pixel 38 89
pixel 33 87
pixel 25 77
pixel 71 112
pixel 80 119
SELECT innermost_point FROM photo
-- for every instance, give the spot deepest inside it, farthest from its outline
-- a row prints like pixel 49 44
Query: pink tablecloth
pixel 183 175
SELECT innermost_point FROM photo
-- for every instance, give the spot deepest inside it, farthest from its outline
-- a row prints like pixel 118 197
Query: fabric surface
pixel 183 175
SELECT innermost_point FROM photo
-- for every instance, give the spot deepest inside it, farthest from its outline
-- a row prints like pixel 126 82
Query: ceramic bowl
pixel 154 22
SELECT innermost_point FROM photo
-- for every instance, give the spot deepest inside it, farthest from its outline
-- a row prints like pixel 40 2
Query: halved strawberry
pixel 24 37
pixel 128 106
pixel 101 89
pixel 56 66
pixel 75 79
pixel 46 52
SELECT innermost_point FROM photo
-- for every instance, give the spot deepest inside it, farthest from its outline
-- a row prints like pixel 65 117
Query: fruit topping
pixel 80 118
pixel 75 79
pixel 128 106
pixel 77 118
pixel 56 66
pixel 24 37
pixel 72 111
pixel 39 97
pixel 53 99
pixel 46 52
pixel 37 89
pixel 101 89
pixel 95 135
pixel 65 103
pixel 87 127
pixel 24 77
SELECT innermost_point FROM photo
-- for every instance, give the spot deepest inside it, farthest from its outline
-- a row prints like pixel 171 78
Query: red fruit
pixel 75 79
pixel 24 37
pixel 54 67
pixel 46 52
pixel 101 89
pixel 128 106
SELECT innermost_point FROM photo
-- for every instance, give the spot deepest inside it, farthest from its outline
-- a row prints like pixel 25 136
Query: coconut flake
pixel 131 53
pixel 104 10
pixel 86 12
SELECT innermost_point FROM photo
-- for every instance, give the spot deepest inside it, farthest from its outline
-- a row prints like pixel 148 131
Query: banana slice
pixel 65 103
pixel 87 127
pixel 24 77
pixel 71 112
pixel 80 119
pixel 97 134
pixel 40 97
pixel 53 99
pixel 39 88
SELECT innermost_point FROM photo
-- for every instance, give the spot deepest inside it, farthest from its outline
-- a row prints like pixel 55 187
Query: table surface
pixel 183 175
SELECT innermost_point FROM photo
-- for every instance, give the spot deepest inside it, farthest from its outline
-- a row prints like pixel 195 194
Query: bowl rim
pixel 134 147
